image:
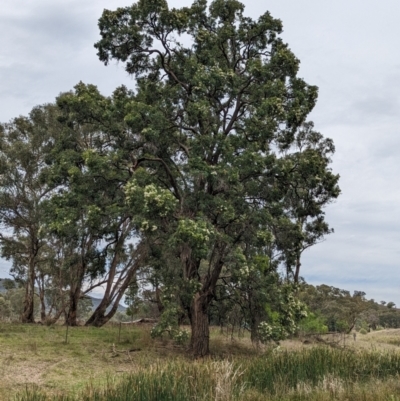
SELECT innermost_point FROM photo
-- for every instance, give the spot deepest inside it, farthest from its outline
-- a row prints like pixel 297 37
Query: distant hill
pixel 95 301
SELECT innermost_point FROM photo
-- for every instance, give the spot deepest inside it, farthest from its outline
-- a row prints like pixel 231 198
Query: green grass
pixel 38 354
pixel 94 366
pixel 287 375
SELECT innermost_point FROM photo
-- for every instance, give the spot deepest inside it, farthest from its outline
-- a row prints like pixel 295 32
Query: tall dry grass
pixel 313 374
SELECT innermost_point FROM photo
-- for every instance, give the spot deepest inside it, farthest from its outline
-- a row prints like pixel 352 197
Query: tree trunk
pixel 254 336
pixel 97 318
pixel 72 315
pixel 40 286
pixel 200 339
pixel 297 271
pixel 160 305
pixel 28 315
pixel 52 320
pixel 43 316
pixel 115 291
pixel 76 290
pixel 200 326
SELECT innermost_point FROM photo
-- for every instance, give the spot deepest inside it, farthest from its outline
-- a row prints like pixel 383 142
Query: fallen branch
pixel 143 320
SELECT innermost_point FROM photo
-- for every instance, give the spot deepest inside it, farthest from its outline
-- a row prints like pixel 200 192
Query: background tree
pixel 338 307
pixel 24 147
pixel 90 164
pixel 308 185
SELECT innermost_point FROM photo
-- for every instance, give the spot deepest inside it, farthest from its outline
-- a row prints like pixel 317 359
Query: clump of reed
pixel 287 369
pixel 174 381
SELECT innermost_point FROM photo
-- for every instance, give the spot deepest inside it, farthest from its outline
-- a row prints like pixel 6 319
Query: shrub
pixel 313 324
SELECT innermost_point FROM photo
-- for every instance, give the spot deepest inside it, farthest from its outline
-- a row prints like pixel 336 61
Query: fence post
pixel 66 335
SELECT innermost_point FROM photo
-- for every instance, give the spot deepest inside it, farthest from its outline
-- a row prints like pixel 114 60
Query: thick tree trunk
pixel 200 339
pixel 28 313
pixel 75 292
pixel 200 326
pixel 72 315
pixel 254 336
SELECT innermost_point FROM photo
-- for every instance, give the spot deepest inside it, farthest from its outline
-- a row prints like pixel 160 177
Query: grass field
pixel 37 363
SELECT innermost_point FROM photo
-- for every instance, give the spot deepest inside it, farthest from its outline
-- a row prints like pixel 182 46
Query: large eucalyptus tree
pixel 217 107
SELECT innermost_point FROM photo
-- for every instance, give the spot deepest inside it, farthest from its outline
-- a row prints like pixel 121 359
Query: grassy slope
pixel 92 357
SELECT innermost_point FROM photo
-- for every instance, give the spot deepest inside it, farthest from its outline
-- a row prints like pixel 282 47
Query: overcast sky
pixel 350 50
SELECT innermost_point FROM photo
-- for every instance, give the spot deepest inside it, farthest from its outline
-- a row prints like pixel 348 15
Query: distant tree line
pixel 204 185
pixel 335 310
